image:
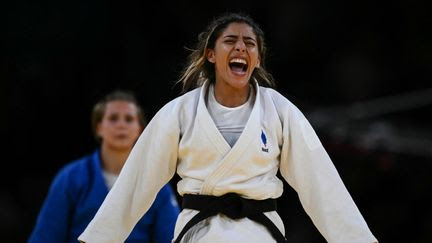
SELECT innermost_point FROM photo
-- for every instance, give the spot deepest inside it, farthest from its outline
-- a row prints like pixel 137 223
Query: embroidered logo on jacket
pixel 264 142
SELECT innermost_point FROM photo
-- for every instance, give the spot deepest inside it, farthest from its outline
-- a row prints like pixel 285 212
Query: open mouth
pixel 238 65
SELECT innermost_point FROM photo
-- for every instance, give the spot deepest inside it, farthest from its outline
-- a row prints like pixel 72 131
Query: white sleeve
pixel 306 166
pixel 150 165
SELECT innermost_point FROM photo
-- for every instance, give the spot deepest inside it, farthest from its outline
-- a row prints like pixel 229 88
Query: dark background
pixel 359 70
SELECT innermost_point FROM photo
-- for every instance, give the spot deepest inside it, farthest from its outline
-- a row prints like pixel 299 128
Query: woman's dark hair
pixel 200 69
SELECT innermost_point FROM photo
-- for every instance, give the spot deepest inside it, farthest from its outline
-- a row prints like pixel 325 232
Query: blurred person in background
pixel 80 187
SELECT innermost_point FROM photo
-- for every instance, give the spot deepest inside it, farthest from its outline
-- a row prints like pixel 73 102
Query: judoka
pixel 227 137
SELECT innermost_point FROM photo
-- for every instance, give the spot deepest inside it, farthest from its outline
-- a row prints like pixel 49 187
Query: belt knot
pixel 235 207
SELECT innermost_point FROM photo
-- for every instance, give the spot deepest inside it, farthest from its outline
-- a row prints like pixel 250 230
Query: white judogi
pixel 182 136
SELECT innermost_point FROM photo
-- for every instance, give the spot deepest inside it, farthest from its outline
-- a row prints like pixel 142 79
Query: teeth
pixel 238 60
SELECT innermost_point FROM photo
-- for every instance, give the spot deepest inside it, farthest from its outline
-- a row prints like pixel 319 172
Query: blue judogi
pixel 76 194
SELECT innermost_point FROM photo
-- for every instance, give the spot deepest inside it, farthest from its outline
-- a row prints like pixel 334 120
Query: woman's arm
pixel 306 166
pixel 54 216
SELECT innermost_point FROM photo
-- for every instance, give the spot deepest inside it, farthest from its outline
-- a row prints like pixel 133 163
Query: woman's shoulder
pixel 181 103
pixel 192 95
pixel 286 109
pixel 278 99
pixel 77 168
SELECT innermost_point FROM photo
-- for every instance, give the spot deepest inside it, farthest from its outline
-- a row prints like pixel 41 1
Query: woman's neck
pixel 113 160
pixel 231 97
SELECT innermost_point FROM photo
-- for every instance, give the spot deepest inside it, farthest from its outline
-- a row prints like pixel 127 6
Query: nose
pixel 121 123
pixel 240 46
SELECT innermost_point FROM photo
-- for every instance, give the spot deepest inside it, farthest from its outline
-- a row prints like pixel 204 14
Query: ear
pixel 211 55
pixel 258 63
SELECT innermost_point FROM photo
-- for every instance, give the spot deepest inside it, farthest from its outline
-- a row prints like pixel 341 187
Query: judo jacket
pixel 182 138
pixel 76 194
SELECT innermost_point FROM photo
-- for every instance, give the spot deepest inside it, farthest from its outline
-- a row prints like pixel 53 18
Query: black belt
pixel 233 206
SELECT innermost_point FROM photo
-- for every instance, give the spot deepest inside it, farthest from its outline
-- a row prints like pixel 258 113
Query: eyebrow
pixel 236 36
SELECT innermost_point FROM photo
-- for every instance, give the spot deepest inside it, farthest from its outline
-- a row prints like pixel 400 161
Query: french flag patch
pixel 264 142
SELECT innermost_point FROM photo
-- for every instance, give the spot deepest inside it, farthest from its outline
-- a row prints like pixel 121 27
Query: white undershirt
pixel 110 178
pixel 230 121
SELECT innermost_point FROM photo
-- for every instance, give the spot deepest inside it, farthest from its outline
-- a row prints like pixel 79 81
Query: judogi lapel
pixel 230 155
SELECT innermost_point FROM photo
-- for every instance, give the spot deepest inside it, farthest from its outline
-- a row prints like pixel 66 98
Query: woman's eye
pixel 113 118
pixel 129 119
